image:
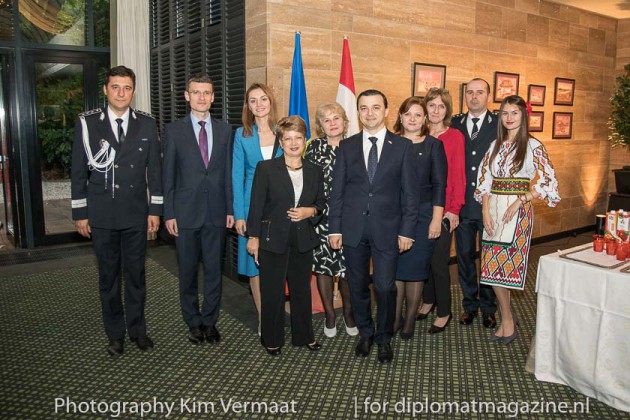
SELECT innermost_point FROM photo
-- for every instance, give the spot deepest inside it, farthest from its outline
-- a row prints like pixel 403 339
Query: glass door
pixel 6 196
pixel 63 86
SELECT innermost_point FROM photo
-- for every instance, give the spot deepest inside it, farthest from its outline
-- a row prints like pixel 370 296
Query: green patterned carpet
pixel 53 350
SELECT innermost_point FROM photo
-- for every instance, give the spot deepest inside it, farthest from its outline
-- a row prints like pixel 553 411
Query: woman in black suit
pixel 286 203
pixel 430 174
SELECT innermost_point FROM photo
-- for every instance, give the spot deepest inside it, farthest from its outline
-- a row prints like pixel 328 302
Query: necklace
pixel 293 168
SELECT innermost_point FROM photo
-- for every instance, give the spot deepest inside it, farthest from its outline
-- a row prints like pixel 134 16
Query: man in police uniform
pixel 116 152
pixel 479 128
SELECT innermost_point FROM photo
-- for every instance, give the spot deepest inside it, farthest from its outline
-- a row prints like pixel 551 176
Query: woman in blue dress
pixel 430 172
pixel 252 143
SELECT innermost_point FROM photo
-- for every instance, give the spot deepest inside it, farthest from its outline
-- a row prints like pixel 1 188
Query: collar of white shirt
pixel 469 121
pixel 112 120
pixel 367 144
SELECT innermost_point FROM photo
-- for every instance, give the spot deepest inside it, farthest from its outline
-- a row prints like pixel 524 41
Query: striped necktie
pixel 475 130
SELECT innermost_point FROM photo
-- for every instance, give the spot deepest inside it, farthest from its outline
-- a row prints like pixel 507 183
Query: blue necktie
pixel 372 159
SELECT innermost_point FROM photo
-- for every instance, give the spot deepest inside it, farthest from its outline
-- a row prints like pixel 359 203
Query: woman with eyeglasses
pixel 505 192
pixel 287 202
pixel 252 143
pixel 430 175
pixel 437 292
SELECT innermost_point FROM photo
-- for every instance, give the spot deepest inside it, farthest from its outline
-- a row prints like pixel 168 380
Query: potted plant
pixel 619 125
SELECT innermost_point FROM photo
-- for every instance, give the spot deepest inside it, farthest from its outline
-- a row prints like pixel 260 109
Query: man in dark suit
pixel 479 127
pixel 198 204
pixel 373 215
pixel 116 152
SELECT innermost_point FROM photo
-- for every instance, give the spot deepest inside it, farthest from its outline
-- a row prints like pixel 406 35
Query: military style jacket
pixel 110 180
pixel 475 150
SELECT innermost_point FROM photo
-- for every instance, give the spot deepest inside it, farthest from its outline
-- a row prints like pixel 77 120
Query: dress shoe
pixel 420 316
pixel 406 335
pixel 364 346
pixel 495 338
pixel 330 332
pixel 212 334
pixel 434 329
pixel 274 351
pixel 314 346
pixel 195 335
pixel 143 342
pixel 467 318
pixel 115 348
pixel 489 321
pixel 385 353
pixel 351 331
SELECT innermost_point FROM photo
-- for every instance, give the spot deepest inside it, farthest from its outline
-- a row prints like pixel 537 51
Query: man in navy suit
pixel 373 215
pixel 198 204
pixel 479 127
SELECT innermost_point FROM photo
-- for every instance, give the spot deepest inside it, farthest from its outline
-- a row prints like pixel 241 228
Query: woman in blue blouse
pixel 252 143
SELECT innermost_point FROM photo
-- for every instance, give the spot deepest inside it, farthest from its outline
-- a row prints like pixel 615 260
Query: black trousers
pixel 126 249
pixel 438 287
pixel 384 264
pixel 206 243
pixel 294 267
pixel 476 296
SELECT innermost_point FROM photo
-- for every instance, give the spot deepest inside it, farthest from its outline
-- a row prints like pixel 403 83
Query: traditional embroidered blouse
pixel 536 162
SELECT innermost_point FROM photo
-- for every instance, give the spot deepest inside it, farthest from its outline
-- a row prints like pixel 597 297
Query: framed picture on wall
pixel 563 91
pixel 562 125
pixel 463 108
pixel 505 84
pixel 536 95
pixel 427 76
pixel 536 121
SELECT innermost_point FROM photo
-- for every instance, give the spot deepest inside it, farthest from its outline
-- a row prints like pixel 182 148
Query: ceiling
pixel 618 9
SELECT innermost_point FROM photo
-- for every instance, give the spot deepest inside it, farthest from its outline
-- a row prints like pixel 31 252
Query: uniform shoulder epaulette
pixel 91 112
pixel 458 115
pixel 146 114
pixel 495 111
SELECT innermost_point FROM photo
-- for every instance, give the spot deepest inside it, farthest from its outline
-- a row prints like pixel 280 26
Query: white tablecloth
pixel 583 329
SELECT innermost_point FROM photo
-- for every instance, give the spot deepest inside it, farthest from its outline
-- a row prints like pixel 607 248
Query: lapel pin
pixel 389 141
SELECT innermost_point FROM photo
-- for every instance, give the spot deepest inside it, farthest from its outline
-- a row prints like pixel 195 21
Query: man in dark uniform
pixel 116 153
pixel 198 204
pixel 480 129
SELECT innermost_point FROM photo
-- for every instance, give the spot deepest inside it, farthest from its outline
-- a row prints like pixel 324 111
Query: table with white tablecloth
pixel 583 328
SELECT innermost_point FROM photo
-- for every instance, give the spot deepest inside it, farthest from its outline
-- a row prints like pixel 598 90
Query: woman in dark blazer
pixel 430 174
pixel 286 203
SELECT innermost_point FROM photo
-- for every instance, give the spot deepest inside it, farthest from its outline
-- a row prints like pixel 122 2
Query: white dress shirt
pixel 469 122
pixel 112 120
pixel 367 144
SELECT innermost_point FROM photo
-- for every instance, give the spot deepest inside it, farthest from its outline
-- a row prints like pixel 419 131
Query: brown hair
pixel 321 112
pixel 404 107
pixel 443 94
pixel 248 118
pixel 522 136
pixel 292 123
pixel 199 78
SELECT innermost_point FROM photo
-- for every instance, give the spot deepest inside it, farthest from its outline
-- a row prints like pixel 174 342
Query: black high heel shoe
pixel 420 316
pixel 435 329
pixel 406 335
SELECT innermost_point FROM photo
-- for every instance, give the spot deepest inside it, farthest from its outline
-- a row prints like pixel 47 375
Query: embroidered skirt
pixel 506 264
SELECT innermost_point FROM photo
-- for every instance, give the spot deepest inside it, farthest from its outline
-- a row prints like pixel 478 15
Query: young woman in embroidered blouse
pixel 512 161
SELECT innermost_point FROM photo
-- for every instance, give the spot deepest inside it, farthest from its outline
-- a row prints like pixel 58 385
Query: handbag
pixel 504 233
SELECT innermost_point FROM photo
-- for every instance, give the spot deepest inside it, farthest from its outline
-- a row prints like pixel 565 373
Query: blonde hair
pixel 324 109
